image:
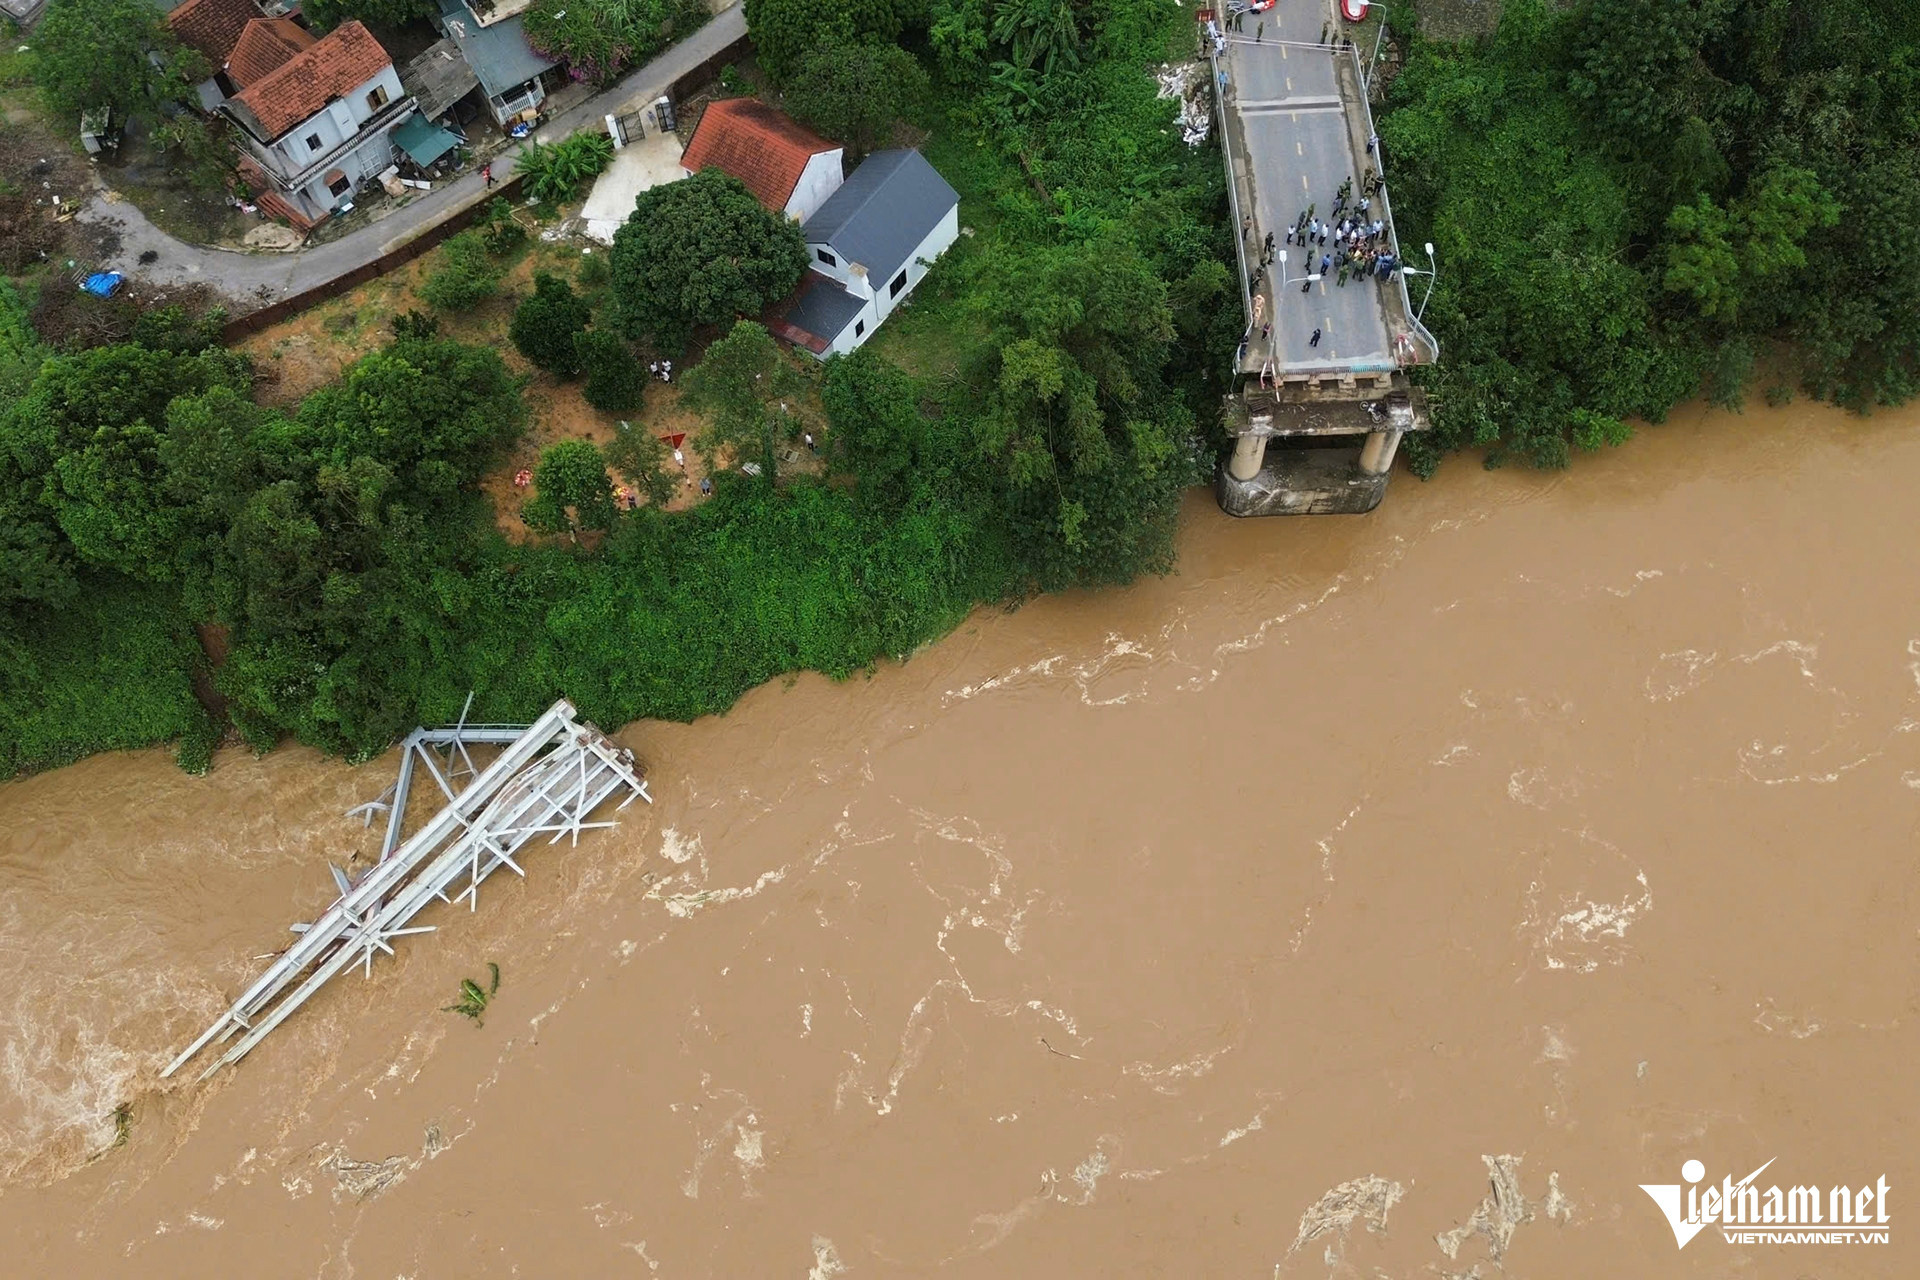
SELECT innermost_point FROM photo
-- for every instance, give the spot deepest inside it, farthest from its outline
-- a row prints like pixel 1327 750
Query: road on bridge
pixel 1290 146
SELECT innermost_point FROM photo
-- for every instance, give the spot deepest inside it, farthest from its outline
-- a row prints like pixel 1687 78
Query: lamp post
pixel 1378 36
pixel 1304 280
pixel 1429 274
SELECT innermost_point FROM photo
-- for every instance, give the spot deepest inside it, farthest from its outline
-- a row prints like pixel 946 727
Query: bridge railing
pixel 1429 346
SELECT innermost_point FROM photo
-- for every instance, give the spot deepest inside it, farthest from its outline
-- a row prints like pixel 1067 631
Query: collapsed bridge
pixel 548 779
pixel 1321 396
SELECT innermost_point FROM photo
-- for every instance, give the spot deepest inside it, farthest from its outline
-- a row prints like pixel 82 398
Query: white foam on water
pixel 826 1261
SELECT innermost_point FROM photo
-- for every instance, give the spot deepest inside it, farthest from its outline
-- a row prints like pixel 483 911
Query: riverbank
pixel 1583 874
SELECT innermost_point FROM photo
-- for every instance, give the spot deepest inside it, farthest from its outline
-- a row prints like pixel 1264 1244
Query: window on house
pixel 313 142
pixel 859 327
pixel 377 99
pixel 899 283
pixel 340 186
pixel 827 258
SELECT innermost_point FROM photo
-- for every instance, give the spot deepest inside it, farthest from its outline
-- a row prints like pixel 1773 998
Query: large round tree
pixel 701 251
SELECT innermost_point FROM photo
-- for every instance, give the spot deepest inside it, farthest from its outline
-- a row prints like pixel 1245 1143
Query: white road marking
pixel 1303 183
pixel 1299 148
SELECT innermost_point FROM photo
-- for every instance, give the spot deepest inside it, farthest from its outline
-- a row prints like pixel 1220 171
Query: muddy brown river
pixel 1373 897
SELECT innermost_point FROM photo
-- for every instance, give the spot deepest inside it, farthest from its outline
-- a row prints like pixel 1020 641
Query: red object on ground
pixel 522 478
pixel 1354 10
pixel 675 439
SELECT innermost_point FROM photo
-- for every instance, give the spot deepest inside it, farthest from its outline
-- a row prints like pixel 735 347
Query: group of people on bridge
pixel 1359 242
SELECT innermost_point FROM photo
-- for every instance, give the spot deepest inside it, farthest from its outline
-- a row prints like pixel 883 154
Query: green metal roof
pixel 423 140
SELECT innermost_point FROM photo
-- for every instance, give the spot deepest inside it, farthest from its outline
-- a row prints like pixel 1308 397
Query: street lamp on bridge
pixel 1305 281
pixel 1433 269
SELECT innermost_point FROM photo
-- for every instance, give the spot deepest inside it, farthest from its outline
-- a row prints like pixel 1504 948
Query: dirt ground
pixel 302 354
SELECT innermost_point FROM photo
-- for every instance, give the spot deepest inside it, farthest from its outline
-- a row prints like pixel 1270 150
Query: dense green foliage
pixel 615 382
pixel 325 15
pixel 1630 198
pixel 110 53
pixel 571 489
pixel 546 327
pixel 701 251
pixel 555 171
pixel 785 31
pixel 467 274
pixel 598 39
pixel 1024 420
pixel 853 93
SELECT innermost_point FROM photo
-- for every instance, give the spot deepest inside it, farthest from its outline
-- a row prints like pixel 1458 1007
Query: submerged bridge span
pixel 1321 396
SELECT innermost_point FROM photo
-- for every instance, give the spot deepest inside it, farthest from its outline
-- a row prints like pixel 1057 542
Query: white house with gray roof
pixel 871 243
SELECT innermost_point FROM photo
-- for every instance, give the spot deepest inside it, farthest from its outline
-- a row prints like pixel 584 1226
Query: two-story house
pixel 871 242
pixel 314 117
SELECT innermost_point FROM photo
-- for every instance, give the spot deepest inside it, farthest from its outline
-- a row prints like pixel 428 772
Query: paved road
pixel 1285 115
pixel 252 280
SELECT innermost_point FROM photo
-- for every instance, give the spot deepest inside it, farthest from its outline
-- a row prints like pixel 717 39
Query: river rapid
pixel 1371 897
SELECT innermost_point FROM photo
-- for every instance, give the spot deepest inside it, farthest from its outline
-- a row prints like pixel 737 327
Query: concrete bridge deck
pixel 1295 125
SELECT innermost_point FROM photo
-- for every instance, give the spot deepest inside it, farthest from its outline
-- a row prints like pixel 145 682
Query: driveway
pixel 252 280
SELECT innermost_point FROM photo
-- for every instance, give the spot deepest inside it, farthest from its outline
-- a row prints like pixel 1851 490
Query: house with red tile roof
pixel 315 117
pixel 790 169
pixel 212 28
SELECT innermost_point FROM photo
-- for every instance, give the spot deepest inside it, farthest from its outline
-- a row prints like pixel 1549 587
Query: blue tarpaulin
pixel 101 284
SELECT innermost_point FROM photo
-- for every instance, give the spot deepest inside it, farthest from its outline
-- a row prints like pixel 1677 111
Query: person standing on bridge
pixel 1314 341
pixel 1326 260
pixel 1324 28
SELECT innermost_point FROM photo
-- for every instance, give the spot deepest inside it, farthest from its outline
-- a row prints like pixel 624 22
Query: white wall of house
pixel 858 330
pixel 851 275
pixel 523 97
pixel 820 179
pixel 338 121
pixel 888 294
pixel 360 166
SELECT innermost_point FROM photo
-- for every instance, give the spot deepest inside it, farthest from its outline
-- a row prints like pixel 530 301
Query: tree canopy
pixel 546 326
pixel 855 92
pixel 111 53
pixel 784 31
pixel 701 251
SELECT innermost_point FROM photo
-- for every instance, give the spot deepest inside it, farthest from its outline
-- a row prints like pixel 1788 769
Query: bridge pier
pixel 1376 456
pixel 1249 452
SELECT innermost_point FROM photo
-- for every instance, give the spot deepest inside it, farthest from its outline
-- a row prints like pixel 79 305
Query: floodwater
pixel 1373 897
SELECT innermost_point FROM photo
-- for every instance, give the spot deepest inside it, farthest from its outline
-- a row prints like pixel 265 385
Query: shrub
pixel 615 381
pixel 465 277
pixel 545 326
pixel 554 172
pixel 571 489
pixel 503 235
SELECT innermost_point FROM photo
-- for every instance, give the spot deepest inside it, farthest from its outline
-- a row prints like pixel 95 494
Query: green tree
pixel 90 432
pixel 784 31
pixel 467 274
pixel 571 489
pixel 615 381
pixel 547 326
pixel 1701 261
pixel 111 53
pixel 701 251
pixel 200 150
pixel 641 457
pixel 878 433
pixel 1638 63
pixel 854 92
pixel 1040 35
pixel 736 386
pixel 1076 418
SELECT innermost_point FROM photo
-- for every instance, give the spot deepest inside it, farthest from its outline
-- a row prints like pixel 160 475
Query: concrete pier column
pixel 1249 452
pixel 1376 458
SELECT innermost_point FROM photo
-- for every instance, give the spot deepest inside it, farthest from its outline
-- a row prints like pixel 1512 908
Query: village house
pixel 871 242
pixel 313 116
pixel 511 74
pixel 789 169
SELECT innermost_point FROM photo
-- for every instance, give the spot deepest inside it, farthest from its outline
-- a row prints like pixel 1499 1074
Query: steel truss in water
pixel 548 778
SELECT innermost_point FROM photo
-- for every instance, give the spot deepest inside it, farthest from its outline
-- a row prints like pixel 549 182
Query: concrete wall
pixel 821 178
pixel 1303 482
